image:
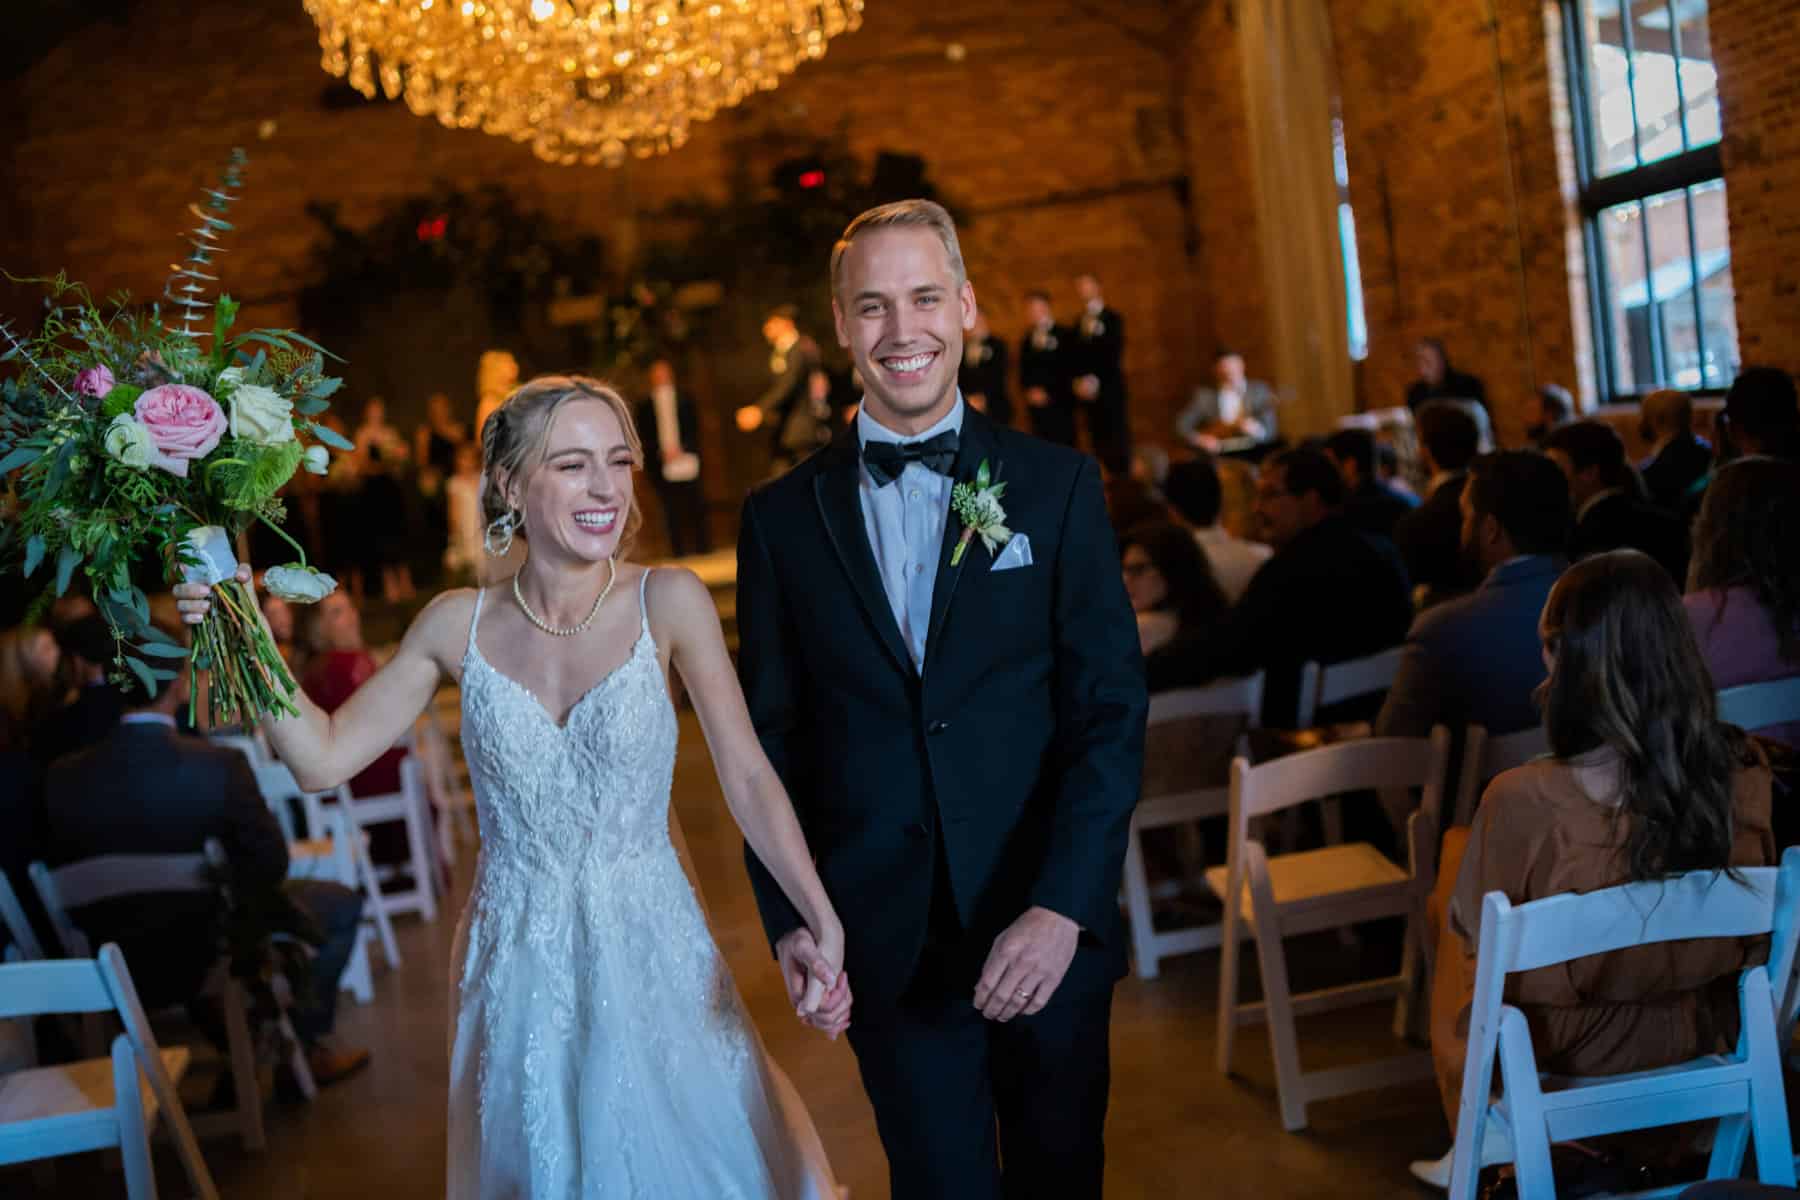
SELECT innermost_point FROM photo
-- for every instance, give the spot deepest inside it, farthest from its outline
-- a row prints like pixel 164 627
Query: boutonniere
pixel 978 505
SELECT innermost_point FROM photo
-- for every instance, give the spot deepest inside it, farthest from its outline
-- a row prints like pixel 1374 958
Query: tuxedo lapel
pixel 840 507
pixel 978 445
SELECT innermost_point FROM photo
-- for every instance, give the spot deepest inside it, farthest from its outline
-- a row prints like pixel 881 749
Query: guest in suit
pixel 1553 408
pixel 147 789
pixel 1438 380
pixel 1473 660
pixel 1675 470
pixel 1044 377
pixel 1329 593
pixel 88 649
pixel 1743 593
pixel 1430 537
pixel 1234 407
pixel 1369 504
pixel 801 423
pixel 1610 511
pixel 983 377
pixel 1762 415
pixel 1196 496
pixel 671 431
pixel 1099 369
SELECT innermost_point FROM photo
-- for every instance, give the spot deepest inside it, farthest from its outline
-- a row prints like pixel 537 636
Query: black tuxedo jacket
pixel 687 422
pixel 988 378
pixel 1429 539
pixel 1020 744
pixel 1102 353
pixel 1049 368
pixel 1670 476
pixel 796 429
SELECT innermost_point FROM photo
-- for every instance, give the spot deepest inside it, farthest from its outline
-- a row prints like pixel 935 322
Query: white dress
pixel 600 1048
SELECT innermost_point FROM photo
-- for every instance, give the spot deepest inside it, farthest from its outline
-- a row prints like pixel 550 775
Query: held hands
pixel 1026 965
pixel 194 600
pixel 817 986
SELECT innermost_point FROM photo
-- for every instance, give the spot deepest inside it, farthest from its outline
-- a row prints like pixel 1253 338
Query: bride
pixel 600 1046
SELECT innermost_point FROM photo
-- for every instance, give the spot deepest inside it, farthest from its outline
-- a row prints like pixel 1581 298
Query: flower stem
pixel 962 544
pixel 298 548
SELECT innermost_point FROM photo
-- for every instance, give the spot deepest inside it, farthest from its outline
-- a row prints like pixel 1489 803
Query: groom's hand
pixel 803 967
pixel 1026 965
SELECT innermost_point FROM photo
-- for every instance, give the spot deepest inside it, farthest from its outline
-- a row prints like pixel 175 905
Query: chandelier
pixel 583 81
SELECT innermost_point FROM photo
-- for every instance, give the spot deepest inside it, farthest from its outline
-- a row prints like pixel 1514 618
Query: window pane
pixel 1609 85
pixel 1653 81
pixel 1718 309
pixel 1622 234
pixel 1699 81
pixel 1638 98
pixel 1671 297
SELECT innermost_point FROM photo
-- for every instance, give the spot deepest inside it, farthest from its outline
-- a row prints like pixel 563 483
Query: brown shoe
pixel 329 1065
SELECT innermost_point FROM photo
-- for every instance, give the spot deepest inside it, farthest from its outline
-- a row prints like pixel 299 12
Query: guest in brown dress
pixel 1643 782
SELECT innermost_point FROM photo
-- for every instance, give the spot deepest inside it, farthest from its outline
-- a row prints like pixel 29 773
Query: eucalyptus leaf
pixel 323 388
pixel 310 407
pixel 163 649
pixel 143 673
pixel 332 438
pixel 163 674
pixel 66 560
pixel 34 552
pixel 21 457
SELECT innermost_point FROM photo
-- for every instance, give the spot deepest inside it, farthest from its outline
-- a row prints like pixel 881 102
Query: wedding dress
pixel 600 1047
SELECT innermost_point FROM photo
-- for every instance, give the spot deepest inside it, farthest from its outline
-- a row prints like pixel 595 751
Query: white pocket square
pixel 1015 554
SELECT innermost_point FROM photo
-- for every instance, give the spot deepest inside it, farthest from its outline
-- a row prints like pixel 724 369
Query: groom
pixel 962 735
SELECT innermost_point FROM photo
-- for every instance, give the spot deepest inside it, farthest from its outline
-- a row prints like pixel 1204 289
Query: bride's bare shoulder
pixel 678 598
pixel 441 630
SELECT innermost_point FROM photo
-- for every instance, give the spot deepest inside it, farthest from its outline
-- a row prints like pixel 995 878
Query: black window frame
pixel 1597 193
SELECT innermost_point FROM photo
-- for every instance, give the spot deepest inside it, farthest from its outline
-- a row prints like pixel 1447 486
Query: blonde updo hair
pixel 512 441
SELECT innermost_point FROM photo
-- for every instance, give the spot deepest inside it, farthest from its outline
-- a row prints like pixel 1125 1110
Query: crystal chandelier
pixel 583 81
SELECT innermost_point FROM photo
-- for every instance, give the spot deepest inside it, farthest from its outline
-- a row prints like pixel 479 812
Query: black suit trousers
pixel 684 509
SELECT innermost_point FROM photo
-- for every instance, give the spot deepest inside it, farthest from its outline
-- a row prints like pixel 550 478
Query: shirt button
pixel 914 494
pixel 919 569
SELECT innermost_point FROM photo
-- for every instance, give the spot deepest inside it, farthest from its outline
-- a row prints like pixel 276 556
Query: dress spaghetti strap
pixel 475 619
pixel 643 603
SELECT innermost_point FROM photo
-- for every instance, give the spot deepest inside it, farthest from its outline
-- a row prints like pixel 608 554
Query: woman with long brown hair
pixel 1642 782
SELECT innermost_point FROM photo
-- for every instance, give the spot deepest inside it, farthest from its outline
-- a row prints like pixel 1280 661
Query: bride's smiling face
pixel 577 498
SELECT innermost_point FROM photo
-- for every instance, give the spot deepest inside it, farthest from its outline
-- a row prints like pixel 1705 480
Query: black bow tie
pixel 885 460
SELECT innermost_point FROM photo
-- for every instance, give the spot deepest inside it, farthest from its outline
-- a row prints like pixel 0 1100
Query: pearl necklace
pixel 611 577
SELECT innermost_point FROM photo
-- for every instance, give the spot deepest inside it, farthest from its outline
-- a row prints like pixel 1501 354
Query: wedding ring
pixel 1022 994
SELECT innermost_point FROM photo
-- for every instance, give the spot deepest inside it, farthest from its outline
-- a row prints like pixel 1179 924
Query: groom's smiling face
pixel 901 312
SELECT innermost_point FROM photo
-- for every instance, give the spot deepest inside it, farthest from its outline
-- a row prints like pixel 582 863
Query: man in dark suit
pixel 87 647
pixel 1044 378
pixel 670 431
pixel 801 421
pixel 1762 415
pixel 1430 537
pixel 1369 504
pixel 960 725
pixel 1610 511
pixel 983 373
pixel 1329 593
pixel 1676 469
pixel 146 789
pixel 1099 369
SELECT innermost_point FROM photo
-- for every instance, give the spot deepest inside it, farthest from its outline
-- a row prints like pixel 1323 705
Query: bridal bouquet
pixel 125 441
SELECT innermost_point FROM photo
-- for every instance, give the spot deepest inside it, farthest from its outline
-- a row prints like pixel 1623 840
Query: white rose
pixel 261 415
pixel 128 441
pixel 298 585
pixel 317 460
pixel 229 378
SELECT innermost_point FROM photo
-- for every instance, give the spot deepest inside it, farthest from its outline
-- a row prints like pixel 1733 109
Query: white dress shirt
pixel 905 522
pixel 678 465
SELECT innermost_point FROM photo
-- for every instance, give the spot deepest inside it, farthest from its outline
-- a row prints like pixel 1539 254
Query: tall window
pixel 1646 108
pixel 1356 324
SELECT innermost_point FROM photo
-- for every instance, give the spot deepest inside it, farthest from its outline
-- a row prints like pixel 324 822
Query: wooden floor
pixel 1176 1128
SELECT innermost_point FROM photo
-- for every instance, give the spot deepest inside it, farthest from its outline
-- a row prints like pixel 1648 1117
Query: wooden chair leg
pixel 1229 932
pixel 243 1065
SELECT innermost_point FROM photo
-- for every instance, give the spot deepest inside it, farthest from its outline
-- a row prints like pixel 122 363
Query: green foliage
pixel 248 474
pixel 120 400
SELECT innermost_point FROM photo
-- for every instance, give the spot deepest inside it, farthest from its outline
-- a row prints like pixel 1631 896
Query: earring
pixel 498 539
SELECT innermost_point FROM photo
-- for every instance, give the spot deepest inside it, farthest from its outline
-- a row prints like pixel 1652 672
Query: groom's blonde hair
pixel 902 214
pixel 513 440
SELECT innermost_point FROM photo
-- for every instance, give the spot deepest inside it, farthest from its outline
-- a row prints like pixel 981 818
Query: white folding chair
pixel 113 876
pixel 410 806
pixel 48 1112
pixel 22 941
pixel 1328 685
pixel 253 745
pixel 1485 756
pixel 1760 705
pixel 446 793
pixel 1285 895
pixel 1742 1089
pixel 1179 804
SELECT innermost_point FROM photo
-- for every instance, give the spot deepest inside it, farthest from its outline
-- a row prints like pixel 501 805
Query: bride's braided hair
pixel 512 441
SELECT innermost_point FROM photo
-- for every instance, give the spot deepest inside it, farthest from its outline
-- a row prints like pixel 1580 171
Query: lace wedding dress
pixel 601 1048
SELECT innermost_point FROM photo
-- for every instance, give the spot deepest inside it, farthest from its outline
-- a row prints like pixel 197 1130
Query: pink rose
pixel 183 421
pixel 96 381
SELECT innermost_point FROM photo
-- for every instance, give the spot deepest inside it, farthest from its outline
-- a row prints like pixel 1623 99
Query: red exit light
pixel 812 179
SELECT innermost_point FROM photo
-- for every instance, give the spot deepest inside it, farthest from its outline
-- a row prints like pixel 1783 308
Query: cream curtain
pixel 1288 82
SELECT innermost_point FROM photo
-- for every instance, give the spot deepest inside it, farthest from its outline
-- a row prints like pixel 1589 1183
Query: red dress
pixel 330 680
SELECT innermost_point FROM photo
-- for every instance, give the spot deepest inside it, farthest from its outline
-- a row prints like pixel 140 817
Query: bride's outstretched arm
pixel 324 749
pixel 753 791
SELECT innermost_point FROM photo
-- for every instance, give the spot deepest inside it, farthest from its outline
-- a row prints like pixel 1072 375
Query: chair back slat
pixel 109 876
pixel 52 988
pixel 1486 755
pixel 1760 705
pixel 1356 677
pixel 1228 697
pixel 1699 904
pixel 18 927
pixel 1363 764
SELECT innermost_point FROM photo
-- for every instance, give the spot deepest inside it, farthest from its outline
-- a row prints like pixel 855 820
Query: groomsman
pixel 983 374
pixel 802 423
pixel 1099 366
pixel 670 429
pixel 1044 372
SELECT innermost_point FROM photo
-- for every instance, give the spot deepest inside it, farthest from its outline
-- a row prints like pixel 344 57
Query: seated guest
pixel 1473 660
pixel 88 649
pixel 1610 512
pixel 1131 502
pixel 1234 407
pixel 1554 409
pixel 1329 593
pixel 1430 537
pixel 1643 782
pixel 1369 504
pixel 338 664
pixel 1150 466
pixel 1744 583
pixel 1172 592
pixel 146 789
pixel 1675 470
pixel 1762 414
pixel 1196 495
pixel 29 688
